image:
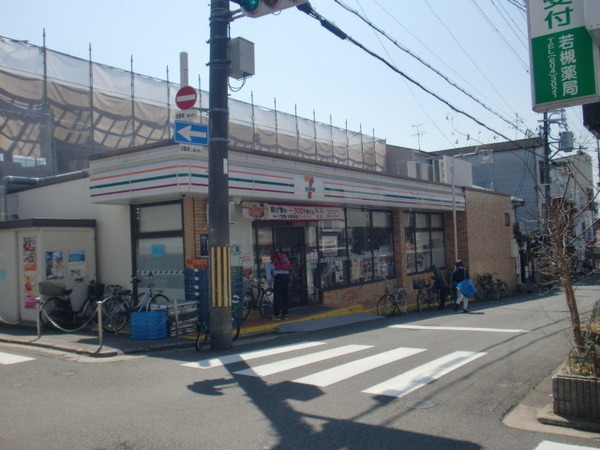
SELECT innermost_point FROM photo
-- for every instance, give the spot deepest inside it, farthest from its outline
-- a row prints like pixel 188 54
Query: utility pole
pixel 218 176
pixel 547 192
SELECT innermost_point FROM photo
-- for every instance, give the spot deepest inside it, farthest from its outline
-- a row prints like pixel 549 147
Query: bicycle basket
pixel 418 284
pixel 96 290
pixel 51 288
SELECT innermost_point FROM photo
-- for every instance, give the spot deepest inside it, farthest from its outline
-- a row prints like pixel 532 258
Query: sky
pixel 464 63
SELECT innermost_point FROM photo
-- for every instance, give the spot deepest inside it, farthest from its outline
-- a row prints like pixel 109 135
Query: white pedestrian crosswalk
pixel 9 358
pixel 248 356
pixel 292 363
pixel 441 328
pixel 549 445
pixel 420 376
pixel 348 370
pixel 397 386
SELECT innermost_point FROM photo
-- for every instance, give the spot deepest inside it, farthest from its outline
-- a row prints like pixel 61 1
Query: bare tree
pixel 557 254
pixel 559 260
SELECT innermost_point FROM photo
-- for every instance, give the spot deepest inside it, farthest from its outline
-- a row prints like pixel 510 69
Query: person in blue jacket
pixel 459 274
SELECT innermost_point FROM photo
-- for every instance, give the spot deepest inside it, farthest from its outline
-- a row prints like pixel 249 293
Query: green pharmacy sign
pixel 564 58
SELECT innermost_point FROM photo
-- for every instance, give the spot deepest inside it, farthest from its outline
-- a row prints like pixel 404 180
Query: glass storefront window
pixel 312 264
pixel 332 257
pixel 158 237
pixel 157 218
pixel 264 237
pixel 359 245
pixel 424 246
pixel 422 251
pixel 383 246
pixel 334 254
pixel 438 251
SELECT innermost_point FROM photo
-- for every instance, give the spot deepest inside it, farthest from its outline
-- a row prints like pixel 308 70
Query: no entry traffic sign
pixel 186 98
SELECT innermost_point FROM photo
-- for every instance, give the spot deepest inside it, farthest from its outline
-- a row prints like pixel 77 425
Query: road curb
pixel 546 416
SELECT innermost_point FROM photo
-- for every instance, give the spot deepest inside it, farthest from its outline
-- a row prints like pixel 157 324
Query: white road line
pixel 228 359
pixel 548 445
pixel 435 327
pixel 420 376
pixel 348 370
pixel 292 363
pixel 8 358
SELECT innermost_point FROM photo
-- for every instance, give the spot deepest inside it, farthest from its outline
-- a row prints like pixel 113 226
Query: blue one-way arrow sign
pixel 190 133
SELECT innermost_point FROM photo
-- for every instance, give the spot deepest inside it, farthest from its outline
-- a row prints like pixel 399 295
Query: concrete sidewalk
pixel 88 342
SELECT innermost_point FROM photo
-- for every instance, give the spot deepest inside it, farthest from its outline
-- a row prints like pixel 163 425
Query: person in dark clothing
pixel 460 273
pixel 278 276
pixel 440 285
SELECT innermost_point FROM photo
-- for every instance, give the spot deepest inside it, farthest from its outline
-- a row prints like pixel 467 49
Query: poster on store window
pixel 77 264
pixel 54 265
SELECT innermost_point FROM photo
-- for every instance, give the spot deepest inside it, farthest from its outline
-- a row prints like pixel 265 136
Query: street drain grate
pixel 421 404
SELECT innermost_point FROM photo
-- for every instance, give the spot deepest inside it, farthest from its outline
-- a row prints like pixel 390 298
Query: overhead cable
pixel 429 66
pixel 309 10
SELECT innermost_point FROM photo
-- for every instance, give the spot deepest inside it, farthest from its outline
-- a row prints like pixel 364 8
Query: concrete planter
pixel 576 396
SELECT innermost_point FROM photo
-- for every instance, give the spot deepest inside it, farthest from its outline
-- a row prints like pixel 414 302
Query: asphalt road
pixel 431 380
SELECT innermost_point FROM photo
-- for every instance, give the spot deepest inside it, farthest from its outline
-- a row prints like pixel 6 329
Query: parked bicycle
pixel 394 299
pixel 425 295
pixel 117 298
pixel 148 299
pixel 123 302
pixel 489 288
pixel 257 296
pixel 502 287
pixel 57 310
pixel 203 324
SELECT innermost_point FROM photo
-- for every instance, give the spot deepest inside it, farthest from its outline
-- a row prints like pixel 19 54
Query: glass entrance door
pixel 291 241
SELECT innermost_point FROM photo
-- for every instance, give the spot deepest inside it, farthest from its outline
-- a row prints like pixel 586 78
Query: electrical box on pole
pixel 259 8
pixel 241 57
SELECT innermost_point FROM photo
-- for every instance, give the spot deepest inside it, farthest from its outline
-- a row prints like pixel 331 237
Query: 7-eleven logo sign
pixel 310 181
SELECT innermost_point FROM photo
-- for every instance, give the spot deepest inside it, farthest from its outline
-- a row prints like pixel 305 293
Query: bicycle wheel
pixel 55 313
pixel 90 311
pixel 265 308
pixel 235 328
pixel 494 291
pixel 248 304
pixel 159 300
pixel 202 333
pixel 503 288
pixel 432 300
pixel 401 301
pixel 420 300
pixel 479 293
pixel 114 315
pixel 386 305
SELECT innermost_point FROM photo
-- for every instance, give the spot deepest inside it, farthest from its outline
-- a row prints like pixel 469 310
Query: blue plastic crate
pixel 149 325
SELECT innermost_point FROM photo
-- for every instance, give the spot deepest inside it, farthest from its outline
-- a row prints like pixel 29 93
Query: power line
pixel 468 55
pixel 426 64
pixel 309 10
pixel 519 6
pixel 521 39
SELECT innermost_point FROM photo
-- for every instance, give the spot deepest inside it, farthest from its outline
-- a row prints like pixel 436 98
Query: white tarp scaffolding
pixel 56 110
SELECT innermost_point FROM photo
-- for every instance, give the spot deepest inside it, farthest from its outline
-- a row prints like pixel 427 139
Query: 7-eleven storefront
pixel 344 229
